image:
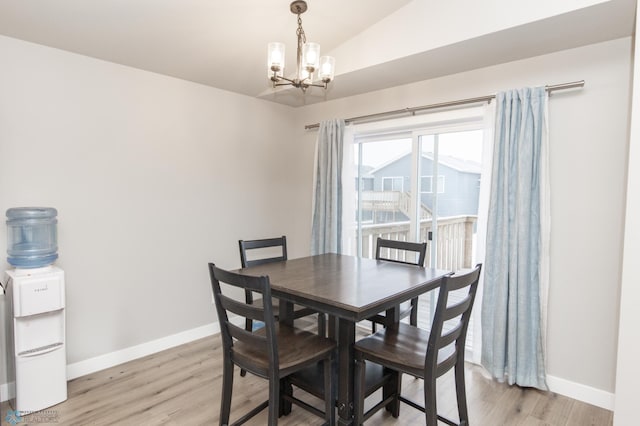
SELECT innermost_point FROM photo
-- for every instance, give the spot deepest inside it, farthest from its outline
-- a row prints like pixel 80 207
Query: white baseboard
pixel 91 365
pixel 111 359
pixel 583 393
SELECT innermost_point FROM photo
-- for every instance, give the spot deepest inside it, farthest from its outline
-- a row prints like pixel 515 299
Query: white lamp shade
pixel 327 68
pixel 310 56
pixel 275 59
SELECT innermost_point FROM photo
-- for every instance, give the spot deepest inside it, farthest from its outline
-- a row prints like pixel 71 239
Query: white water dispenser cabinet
pixel 36 310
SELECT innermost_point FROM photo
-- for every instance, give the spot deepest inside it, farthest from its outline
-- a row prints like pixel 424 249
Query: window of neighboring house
pixel 394 183
pixel 426 184
pixel 367 183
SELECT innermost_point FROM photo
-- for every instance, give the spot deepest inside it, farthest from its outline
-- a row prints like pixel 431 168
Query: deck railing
pixel 390 201
pixel 454 239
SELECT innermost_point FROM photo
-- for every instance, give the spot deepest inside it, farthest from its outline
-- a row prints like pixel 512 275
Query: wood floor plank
pixel 553 409
pixel 583 414
pixel 182 387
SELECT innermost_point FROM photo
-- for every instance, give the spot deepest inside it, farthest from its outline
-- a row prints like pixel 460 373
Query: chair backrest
pixel 247 245
pixel 398 247
pixel 450 322
pixel 263 340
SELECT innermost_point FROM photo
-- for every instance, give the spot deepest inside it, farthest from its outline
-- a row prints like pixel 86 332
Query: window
pixel 395 183
pixel 366 182
pixel 426 184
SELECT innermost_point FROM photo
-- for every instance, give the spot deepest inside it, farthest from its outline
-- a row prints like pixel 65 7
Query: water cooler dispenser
pixel 35 297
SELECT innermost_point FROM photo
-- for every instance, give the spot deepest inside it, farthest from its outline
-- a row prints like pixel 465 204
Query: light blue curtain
pixel 512 333
pixel 326 236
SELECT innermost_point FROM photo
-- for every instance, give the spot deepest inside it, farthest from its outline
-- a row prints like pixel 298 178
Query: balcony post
pixel 468 241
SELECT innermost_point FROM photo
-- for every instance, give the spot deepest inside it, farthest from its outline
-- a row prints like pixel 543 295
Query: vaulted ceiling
pixel 376 43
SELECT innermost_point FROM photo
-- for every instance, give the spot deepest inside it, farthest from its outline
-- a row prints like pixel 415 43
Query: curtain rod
pixel 488 98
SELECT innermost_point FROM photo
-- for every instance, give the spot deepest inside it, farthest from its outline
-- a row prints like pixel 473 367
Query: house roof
pixel 459 164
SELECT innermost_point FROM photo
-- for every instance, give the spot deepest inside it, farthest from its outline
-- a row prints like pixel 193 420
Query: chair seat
pixel 295 348
pixel 402 348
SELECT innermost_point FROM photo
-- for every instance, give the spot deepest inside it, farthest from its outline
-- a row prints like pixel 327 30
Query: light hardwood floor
pixel 181 386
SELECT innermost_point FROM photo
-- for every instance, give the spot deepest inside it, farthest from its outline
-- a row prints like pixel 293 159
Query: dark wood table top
pixel 346 286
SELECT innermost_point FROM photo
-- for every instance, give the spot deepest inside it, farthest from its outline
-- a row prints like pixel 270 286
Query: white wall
pixel 152 177
pixel 588 131
pixel 628 367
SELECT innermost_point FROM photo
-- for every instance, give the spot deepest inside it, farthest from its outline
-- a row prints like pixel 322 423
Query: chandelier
pixel 308 59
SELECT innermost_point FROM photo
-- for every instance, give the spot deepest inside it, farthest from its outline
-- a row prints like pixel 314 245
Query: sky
pixel 464 145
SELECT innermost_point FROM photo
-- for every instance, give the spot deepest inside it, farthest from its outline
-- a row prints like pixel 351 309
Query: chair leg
pixel 227 389
pixel 413 317
pixel 373 327
pixel 461 393
pixel 274 399
pixel 285 389
pixel 393 388
pixel 329 397
pixel 359 390
pixel 430 408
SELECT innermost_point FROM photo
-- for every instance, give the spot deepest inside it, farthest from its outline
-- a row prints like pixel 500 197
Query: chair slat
pixel 450 336
pixel 406 246
pixel 246 245
pixel 247 337
pixel 446 364
pixel 242 309
pixel 457 309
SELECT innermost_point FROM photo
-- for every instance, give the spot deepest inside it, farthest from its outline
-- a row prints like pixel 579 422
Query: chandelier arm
pixel 286 79
pixel 324 85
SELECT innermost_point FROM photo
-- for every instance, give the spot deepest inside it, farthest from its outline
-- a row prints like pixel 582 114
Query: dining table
pixel 349 289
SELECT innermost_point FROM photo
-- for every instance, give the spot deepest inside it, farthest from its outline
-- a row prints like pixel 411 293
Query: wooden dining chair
pixel 272 352
pixel 272 250
pixel 400 252
pixel 421 353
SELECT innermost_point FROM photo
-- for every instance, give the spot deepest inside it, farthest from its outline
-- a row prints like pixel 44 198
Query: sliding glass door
pixel 420 184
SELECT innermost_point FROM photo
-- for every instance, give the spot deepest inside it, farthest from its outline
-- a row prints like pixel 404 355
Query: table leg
pixel 285 316
pixel 393 386
pixel 332 327
pixel 346 339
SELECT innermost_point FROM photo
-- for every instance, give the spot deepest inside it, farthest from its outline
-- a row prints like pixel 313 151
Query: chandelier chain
pixel 300 31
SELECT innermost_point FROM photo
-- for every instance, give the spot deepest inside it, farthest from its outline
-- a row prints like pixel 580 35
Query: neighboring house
pixel 458 188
